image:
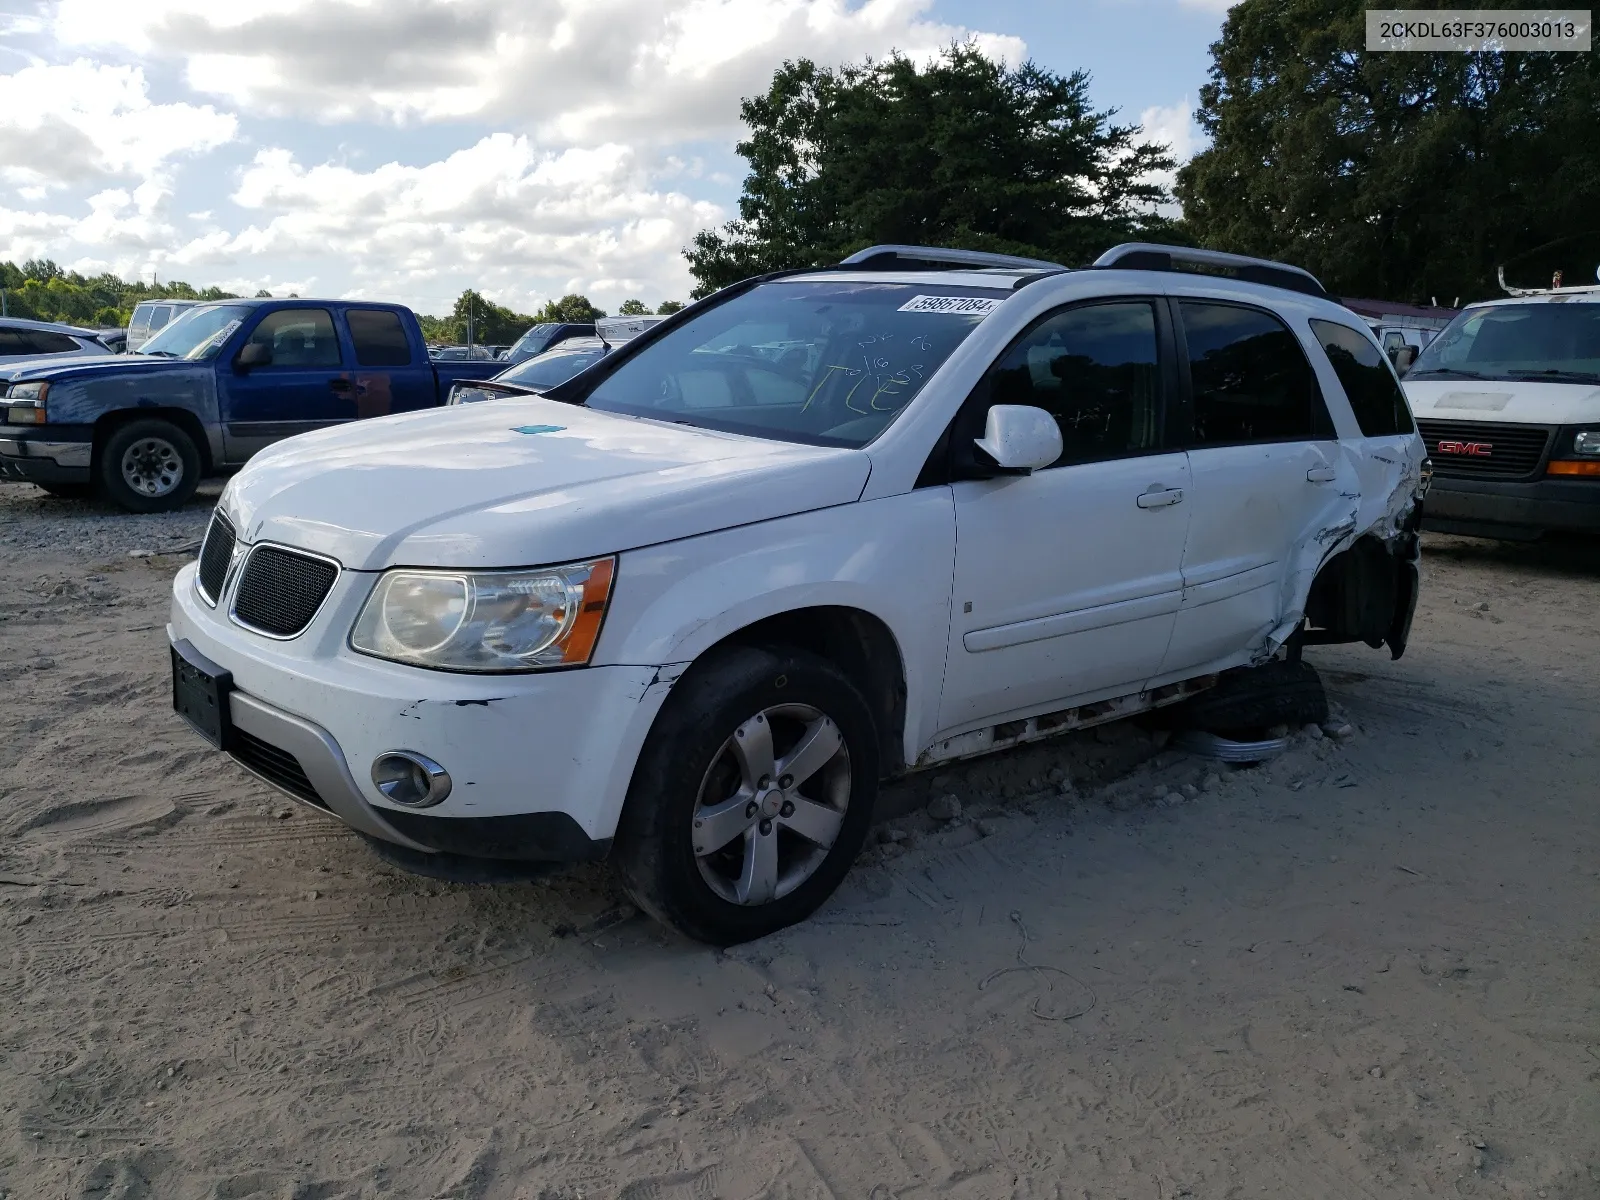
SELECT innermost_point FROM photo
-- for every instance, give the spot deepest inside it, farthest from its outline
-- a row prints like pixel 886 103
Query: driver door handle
pixel 340 385
pixel 1321 475
pixel 1160 497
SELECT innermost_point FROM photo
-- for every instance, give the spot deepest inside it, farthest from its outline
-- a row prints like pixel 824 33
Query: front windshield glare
pixel 823 362
pixel 1518 341
pixel 198 334
pixel 552 367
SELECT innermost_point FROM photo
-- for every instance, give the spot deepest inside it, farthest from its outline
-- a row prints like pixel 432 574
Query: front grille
pixel 215 555
pixel 274 765
pixel 280 590
pixel 1484 450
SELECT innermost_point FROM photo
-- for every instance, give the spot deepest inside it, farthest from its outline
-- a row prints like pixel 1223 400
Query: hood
pixel 72 366
pixel 522 482
pixel 1512 401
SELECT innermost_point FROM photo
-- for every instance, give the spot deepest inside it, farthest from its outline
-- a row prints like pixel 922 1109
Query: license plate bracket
pixel 200 691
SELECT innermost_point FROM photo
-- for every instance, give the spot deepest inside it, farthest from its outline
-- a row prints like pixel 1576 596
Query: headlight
pixel 31 410
pixel 486 621
pixel 1587 443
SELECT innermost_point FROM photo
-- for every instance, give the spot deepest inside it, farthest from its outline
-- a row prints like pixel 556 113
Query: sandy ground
pixel 1368 970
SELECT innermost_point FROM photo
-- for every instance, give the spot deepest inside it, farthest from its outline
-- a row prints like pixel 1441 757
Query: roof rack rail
pixel 938 258
pixel 1148 256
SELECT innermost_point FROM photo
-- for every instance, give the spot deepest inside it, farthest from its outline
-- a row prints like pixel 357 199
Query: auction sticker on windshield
pixel 961 306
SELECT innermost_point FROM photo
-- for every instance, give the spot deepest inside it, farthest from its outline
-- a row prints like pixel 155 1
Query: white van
pixel 150 317
pixel 1507 399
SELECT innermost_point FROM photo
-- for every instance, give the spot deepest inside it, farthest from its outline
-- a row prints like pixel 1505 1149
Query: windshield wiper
pixel 1558 375
pixel 1451 371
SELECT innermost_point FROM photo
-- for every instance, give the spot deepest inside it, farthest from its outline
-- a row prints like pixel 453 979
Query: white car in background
pixel 150 317
pixel 1508 402
pixel 818 530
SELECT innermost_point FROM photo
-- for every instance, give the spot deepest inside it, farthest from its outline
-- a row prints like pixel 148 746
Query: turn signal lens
pixel 25 414
pixel 1567 467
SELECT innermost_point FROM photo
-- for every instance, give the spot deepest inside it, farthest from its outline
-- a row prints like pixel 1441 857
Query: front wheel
pixel 149 465
pixel 752 796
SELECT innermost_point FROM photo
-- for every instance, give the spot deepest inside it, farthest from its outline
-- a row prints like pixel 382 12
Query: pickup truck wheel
pixel 752 796
pixel 149 466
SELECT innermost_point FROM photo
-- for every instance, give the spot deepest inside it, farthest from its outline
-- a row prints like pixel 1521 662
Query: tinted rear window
pixel 1368 382
pixel 379 337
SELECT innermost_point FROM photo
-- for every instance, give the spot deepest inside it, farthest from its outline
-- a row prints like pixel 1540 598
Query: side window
pixel 1373 390
pixel 1096 369
pixel 1250 377
pixel 45 342
pixel 298 337
pixel 11 342
pixel 159 316
pixel 379 338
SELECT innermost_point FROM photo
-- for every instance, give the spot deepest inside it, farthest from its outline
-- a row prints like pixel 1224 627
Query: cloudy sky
pixel 406 149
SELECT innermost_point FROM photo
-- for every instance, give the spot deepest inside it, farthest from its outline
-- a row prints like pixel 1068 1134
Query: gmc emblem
pixel 1470 449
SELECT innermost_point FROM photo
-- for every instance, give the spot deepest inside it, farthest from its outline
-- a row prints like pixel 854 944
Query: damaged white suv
pixel 818 530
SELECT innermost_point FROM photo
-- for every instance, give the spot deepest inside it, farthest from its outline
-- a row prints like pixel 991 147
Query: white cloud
pixel 572 71
pixel 1213 6
pixel 84 122
pixel 1172 125
pixel 524 224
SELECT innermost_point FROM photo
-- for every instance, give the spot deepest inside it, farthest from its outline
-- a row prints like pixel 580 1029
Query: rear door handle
pixel 340 385
pixel 1160 497
pixel 1321 475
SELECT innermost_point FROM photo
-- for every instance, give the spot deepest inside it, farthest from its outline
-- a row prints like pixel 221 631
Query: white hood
pixel 530 482
pixel 1515 402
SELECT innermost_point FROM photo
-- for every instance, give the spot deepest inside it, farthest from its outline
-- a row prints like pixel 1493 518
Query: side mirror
pixel 1020 438
pixel 1403 357
pixel 254 354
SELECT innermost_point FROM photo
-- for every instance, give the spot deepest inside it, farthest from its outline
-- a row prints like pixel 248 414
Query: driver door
pixel 1068 581
pixel 307 385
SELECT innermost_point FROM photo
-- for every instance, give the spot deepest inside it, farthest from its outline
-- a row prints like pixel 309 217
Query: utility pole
pixel 3 312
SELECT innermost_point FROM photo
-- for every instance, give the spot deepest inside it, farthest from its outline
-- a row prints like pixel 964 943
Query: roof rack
pixel 938 258
pixel 1148 256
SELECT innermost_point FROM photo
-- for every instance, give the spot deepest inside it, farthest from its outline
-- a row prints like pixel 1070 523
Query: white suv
pixel 818 530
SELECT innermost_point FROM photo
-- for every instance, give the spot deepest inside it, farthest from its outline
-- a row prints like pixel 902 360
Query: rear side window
pixel 379 338
pixel 160 314
pixel 45 342
pixel 1251 381
pixel 1095 369
pixel 299 337
pixel 1373 390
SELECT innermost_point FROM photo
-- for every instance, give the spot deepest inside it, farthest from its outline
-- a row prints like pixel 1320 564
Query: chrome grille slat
pixel 280 590
pixel 1514 451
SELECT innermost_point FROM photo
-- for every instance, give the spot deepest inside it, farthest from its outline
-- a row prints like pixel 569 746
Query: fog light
pixel 409 778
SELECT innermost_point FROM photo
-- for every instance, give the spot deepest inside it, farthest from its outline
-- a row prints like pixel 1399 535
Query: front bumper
pixel 43 454
pixel 541 763
pixel 1489 508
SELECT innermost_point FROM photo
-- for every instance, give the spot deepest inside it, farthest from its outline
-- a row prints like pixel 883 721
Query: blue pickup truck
pixel 208 391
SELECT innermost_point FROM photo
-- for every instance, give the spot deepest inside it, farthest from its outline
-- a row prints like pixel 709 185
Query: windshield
pixel 197 334
pixel 1559 341
pixel 553 366
pixel 824 362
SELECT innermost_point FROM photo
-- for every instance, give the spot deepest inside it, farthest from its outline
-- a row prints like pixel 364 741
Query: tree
pixel 490 323
pixel 570 307
pixel 963 152
pixel 41 289
pixel 263 294
pixel 668 307
pixel 633 308
pixel 1401 176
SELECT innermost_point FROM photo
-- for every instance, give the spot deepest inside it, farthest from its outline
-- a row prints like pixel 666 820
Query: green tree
pixel 963 152
pixel 491 324
pixel 1400 176
pixel 668 307
pixel 41 289
pixel 633 308
pixel 570 307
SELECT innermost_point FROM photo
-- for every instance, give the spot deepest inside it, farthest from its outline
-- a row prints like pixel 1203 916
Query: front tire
pixel 752 796
pixel 149 465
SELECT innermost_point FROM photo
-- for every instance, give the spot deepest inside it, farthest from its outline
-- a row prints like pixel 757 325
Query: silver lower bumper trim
pixel 322 761
pixel 64 454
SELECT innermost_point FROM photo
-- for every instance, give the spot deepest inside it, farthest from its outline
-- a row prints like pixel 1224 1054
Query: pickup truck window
pixel 1369 383
pixel 826 363
pixel 298 337
pixel 1559 342
pixel 379 338
pixel 1095 369
pixel 198 334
